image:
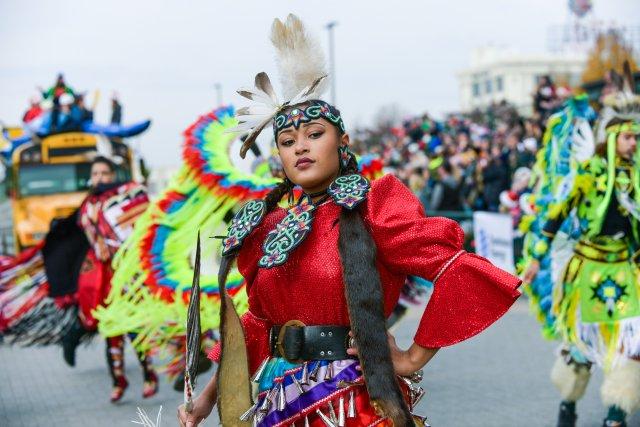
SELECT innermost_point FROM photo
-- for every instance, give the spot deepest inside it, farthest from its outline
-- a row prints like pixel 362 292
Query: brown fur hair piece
pixel 363 290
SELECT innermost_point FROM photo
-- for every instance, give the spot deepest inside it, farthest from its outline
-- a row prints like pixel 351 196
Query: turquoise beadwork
pixel 289 233
pixel 349 191
pixel 247 218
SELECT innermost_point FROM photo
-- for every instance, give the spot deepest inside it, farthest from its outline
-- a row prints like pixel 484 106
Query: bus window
pixel 38 180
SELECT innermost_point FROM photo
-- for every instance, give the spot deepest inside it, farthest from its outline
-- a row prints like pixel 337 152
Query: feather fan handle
pixel 193 334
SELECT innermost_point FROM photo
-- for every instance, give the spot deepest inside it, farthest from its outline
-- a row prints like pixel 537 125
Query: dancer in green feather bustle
pixel 594 305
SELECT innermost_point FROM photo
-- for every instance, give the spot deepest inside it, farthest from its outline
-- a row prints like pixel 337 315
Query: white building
pixel 502 74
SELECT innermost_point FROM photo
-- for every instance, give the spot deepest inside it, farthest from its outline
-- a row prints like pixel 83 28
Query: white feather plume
pixel 300 58
pixel 584 144
pixel 303 76
pixel 145 420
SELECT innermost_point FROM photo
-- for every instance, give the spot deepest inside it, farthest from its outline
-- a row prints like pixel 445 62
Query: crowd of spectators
pixel 478 161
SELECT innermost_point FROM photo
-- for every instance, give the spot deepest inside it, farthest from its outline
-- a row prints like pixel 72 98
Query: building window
pixel 488 87
pixel 499 84
pixel 476 89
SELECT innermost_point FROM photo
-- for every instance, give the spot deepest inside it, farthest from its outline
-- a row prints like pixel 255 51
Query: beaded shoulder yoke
pixel 347 191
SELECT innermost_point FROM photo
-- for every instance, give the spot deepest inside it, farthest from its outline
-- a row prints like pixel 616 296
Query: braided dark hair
pixel 235 376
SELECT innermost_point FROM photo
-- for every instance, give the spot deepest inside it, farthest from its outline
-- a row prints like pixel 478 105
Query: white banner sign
pixel 493 235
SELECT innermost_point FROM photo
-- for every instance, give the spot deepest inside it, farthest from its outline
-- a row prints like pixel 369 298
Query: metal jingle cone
pixel 406 381
pixel 417 376
pixel 328 374
pixel 266 404
pixel 268 400
pixel 250 412
pixel 332 412
pixel 255 421
pixel 306 421
pixel 282 399
pixel 304 379
pixel 327 421
pixel 341 414
pixel 258 374
pixel 296 382
pixel 313 376
pixel 259 416
pixel 422 419
pixel 417 395
pixel 351 412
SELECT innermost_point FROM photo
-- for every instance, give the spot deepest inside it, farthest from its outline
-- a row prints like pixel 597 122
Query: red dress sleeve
pixel 469 292
pixel 255 326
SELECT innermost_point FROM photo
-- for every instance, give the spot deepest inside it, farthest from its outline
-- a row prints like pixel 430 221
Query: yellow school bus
pixel 49 179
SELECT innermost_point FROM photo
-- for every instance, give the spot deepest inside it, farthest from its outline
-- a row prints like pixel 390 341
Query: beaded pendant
pixel 247 218
pixel 349 191
pixel 288 234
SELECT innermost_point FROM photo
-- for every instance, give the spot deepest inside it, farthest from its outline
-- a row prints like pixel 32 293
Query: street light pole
pixel 218 87
pixel 332 60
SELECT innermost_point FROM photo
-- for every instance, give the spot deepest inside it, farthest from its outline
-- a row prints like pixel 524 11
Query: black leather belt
pixel 297 342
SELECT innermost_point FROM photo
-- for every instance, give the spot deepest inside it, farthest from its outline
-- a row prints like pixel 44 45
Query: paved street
pixel 499 378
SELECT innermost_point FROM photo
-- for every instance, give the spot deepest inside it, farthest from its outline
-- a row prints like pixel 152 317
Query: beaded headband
pixel 305 113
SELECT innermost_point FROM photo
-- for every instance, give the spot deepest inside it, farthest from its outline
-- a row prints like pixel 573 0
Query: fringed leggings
pixel 620 388
pixel 115 360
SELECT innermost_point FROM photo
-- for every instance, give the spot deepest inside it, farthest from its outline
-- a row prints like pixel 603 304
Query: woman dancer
pixel 324 273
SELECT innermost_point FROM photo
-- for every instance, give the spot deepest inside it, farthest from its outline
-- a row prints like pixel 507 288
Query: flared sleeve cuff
pixel 256 335
pixel 214 353
pixel 469 295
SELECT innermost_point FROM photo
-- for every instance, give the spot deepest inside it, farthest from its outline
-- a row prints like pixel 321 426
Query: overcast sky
pixel 164 57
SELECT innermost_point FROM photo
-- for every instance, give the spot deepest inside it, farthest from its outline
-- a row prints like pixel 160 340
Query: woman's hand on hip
pixel 405 362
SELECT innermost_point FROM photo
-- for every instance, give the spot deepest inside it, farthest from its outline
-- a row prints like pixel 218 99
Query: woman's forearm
pixel 420 356
pixel 210 391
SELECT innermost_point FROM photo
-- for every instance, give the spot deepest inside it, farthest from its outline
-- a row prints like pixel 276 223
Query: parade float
pixel 46 163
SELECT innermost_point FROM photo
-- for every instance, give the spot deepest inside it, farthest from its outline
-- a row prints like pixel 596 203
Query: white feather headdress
pixel 303 76
pixel 623 104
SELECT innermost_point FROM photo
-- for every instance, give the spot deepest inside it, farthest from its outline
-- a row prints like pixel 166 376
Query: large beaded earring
pixel 346 156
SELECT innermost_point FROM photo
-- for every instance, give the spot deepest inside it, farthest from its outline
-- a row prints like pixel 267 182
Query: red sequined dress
pixel 469 292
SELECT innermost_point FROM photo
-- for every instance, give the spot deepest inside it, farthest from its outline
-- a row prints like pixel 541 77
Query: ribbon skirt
pixel 317 394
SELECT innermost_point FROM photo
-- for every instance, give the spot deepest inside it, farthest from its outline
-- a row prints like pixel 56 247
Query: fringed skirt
pixel 318 394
